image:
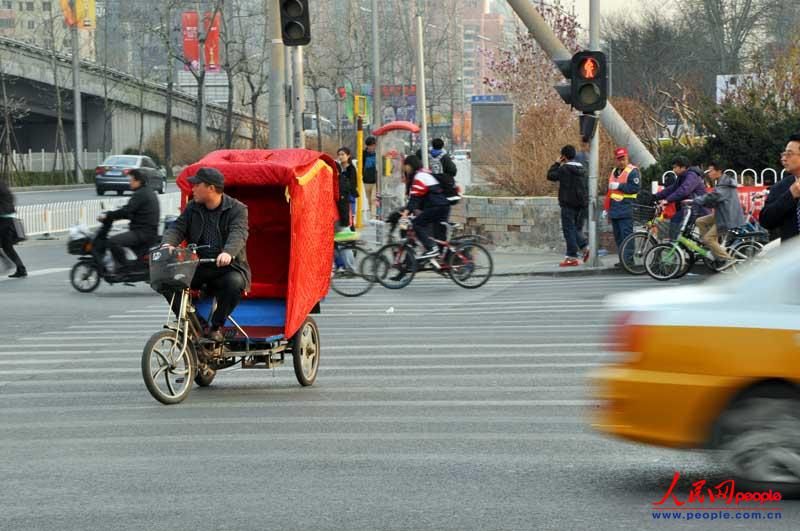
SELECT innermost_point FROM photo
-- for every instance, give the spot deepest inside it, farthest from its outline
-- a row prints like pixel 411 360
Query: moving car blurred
pixel 113 174
pixel 462 154
pixel 715 366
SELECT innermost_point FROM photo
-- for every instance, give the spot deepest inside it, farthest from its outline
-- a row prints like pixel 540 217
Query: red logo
pixel 701 497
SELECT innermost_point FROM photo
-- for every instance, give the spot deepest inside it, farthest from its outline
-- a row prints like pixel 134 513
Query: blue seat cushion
pixel 260 313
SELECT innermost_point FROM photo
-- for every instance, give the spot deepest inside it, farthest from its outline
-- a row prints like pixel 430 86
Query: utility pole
pixel 299 95
pixel 277 96
pixel 377 96
pixel 287 94
pixel 421 99
pixel 594 148
pixel 76 92
pixel 201 58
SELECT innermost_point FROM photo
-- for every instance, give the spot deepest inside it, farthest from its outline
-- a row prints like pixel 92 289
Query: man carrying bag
pixel 11 233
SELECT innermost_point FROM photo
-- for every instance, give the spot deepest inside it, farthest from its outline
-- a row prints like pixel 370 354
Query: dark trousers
pixel 623 228
pixel 7 238
pixel 225 284
pixel 118 242
pixel 572 225
pixel 422 224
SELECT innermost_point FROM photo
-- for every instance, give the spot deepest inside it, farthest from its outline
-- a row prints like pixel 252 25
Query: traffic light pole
pixel 76 92
pixel 277 96
pixel 594 149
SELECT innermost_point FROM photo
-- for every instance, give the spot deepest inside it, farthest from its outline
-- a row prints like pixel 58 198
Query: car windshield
pixel 129 162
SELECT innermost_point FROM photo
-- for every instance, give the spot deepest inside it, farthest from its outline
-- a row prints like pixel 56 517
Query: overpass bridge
pixel 29 78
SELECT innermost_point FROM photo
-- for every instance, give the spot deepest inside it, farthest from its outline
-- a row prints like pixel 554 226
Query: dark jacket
pixel 233 228
pixel 780 209
pixel 6 200
pixel 426 192
pixel 370 161
pixel 725 199
pixel 143 211
pixel 441 164
pixel 689 185
pixel 348 185
pixel 572 184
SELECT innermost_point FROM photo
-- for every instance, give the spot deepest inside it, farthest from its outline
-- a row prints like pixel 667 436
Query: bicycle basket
pixel 643 213
pixel 172 270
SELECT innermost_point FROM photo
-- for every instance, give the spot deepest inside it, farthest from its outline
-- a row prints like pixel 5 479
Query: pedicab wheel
pixel 360 280
pixel 664 261
pixel 633 250
pixel 394 265
pixel 84 277
pixel 168 373
pixel 305 352
pixel 204 376
pixel 470 265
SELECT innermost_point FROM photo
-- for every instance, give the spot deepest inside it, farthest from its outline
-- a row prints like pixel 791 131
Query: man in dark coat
pixel 144 214
pixel 781 210
pixel 219 222
pixel 8 233
pixel 573 198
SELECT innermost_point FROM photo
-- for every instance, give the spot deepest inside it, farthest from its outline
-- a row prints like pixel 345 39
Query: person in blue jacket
pixel 688 185
pixel 623 188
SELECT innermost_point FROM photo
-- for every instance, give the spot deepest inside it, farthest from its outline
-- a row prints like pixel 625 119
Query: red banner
pixel 212 42
pixel 191 45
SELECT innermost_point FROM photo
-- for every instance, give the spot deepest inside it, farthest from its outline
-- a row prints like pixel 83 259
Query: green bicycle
pixel 671 260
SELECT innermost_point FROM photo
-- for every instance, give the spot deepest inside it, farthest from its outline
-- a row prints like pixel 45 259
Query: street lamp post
pixel 76 93
pixel 421 99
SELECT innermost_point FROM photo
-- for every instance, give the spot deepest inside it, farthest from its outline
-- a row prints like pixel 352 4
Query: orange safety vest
pixel 616 195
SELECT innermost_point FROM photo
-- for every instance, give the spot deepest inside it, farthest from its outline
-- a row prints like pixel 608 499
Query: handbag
pixel 19 230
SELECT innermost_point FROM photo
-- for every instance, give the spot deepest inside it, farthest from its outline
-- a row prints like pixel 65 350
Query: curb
pixel 53 188
pixel 598 271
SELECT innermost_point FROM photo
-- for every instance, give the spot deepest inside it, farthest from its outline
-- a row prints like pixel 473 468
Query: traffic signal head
pixel 295 22
pixel 588 88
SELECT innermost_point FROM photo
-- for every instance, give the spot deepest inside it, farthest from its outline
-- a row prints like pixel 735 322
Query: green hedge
pixel 21 179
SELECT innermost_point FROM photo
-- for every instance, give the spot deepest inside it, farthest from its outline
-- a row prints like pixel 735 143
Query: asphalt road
pixel 77 194
pixel 435 408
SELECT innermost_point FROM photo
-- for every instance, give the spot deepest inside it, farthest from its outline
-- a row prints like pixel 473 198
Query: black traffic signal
pixel 588 125
pixel 295 22
pixel 588 76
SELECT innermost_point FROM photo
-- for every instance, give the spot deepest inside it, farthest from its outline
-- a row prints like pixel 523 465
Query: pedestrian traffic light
pixel 588 76
pixel 295 22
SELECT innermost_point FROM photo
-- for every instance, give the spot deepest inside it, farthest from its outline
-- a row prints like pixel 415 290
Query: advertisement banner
pixel 191 45
pixel 84 16
pixel 212 42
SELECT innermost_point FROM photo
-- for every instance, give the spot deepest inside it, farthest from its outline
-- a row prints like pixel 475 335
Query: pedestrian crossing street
pixel 430 378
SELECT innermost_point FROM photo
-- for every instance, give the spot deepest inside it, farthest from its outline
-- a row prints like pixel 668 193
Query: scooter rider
pixel 144 213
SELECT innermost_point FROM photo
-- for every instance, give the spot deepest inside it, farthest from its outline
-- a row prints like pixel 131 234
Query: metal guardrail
pixel 50 218
pixel 757 179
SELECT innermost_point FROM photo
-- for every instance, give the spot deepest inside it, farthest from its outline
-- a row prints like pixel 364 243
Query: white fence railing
pixel 59 217
pixel 43 161
pixel 747 177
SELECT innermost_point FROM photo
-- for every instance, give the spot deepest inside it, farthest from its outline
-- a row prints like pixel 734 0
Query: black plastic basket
pixel 642 213
pixel 172 270
pixel 79 246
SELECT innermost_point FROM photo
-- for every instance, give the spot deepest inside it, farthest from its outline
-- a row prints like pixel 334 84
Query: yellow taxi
pixel 713 365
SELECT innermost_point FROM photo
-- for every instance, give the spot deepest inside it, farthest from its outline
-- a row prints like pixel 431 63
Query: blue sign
pixel 490 98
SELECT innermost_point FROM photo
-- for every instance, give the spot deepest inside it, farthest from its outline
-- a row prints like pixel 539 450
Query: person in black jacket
pixel 219 223
pixel 144 214
pixel 8 234
pixel 428 202
pixel 573 198
pixel 348 187
pixel 782 209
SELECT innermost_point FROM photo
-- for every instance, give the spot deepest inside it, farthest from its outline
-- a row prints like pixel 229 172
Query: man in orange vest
pixel 623 187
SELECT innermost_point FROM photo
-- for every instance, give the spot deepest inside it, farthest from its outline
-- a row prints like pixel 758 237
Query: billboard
pixel 85 13
pixel 493 134
pixel 191 44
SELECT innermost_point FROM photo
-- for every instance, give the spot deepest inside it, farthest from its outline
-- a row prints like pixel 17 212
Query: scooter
pixel 96 263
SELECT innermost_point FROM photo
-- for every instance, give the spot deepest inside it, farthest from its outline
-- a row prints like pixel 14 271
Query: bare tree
pixel 55 46
pixel 13 109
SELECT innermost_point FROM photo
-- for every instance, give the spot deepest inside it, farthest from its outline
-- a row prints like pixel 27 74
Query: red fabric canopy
pixel 291 199
pixel 396 126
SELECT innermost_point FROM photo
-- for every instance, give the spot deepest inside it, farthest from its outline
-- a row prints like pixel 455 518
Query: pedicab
pixel 290 195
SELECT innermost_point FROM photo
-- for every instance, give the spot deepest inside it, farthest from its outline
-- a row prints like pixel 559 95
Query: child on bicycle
pixel 428 200
pixel 728 212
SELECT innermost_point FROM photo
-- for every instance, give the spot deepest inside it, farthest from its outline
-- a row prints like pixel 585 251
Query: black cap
pixel 208 176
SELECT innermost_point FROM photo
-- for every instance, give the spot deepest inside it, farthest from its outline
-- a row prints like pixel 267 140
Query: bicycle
pixel 468 263
pixel 671 260
pixel 633 248
pixel 353 268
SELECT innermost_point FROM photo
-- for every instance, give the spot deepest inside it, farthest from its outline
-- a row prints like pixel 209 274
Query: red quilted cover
pixel 290 248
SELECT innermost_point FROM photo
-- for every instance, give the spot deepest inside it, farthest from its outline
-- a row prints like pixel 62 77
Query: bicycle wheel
pixel 168 371
pixel 358 278
pixel 746 252
pixel 470 265
pixel 664 261
pixel 633 250
pixel 394 265
pixel 690 259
